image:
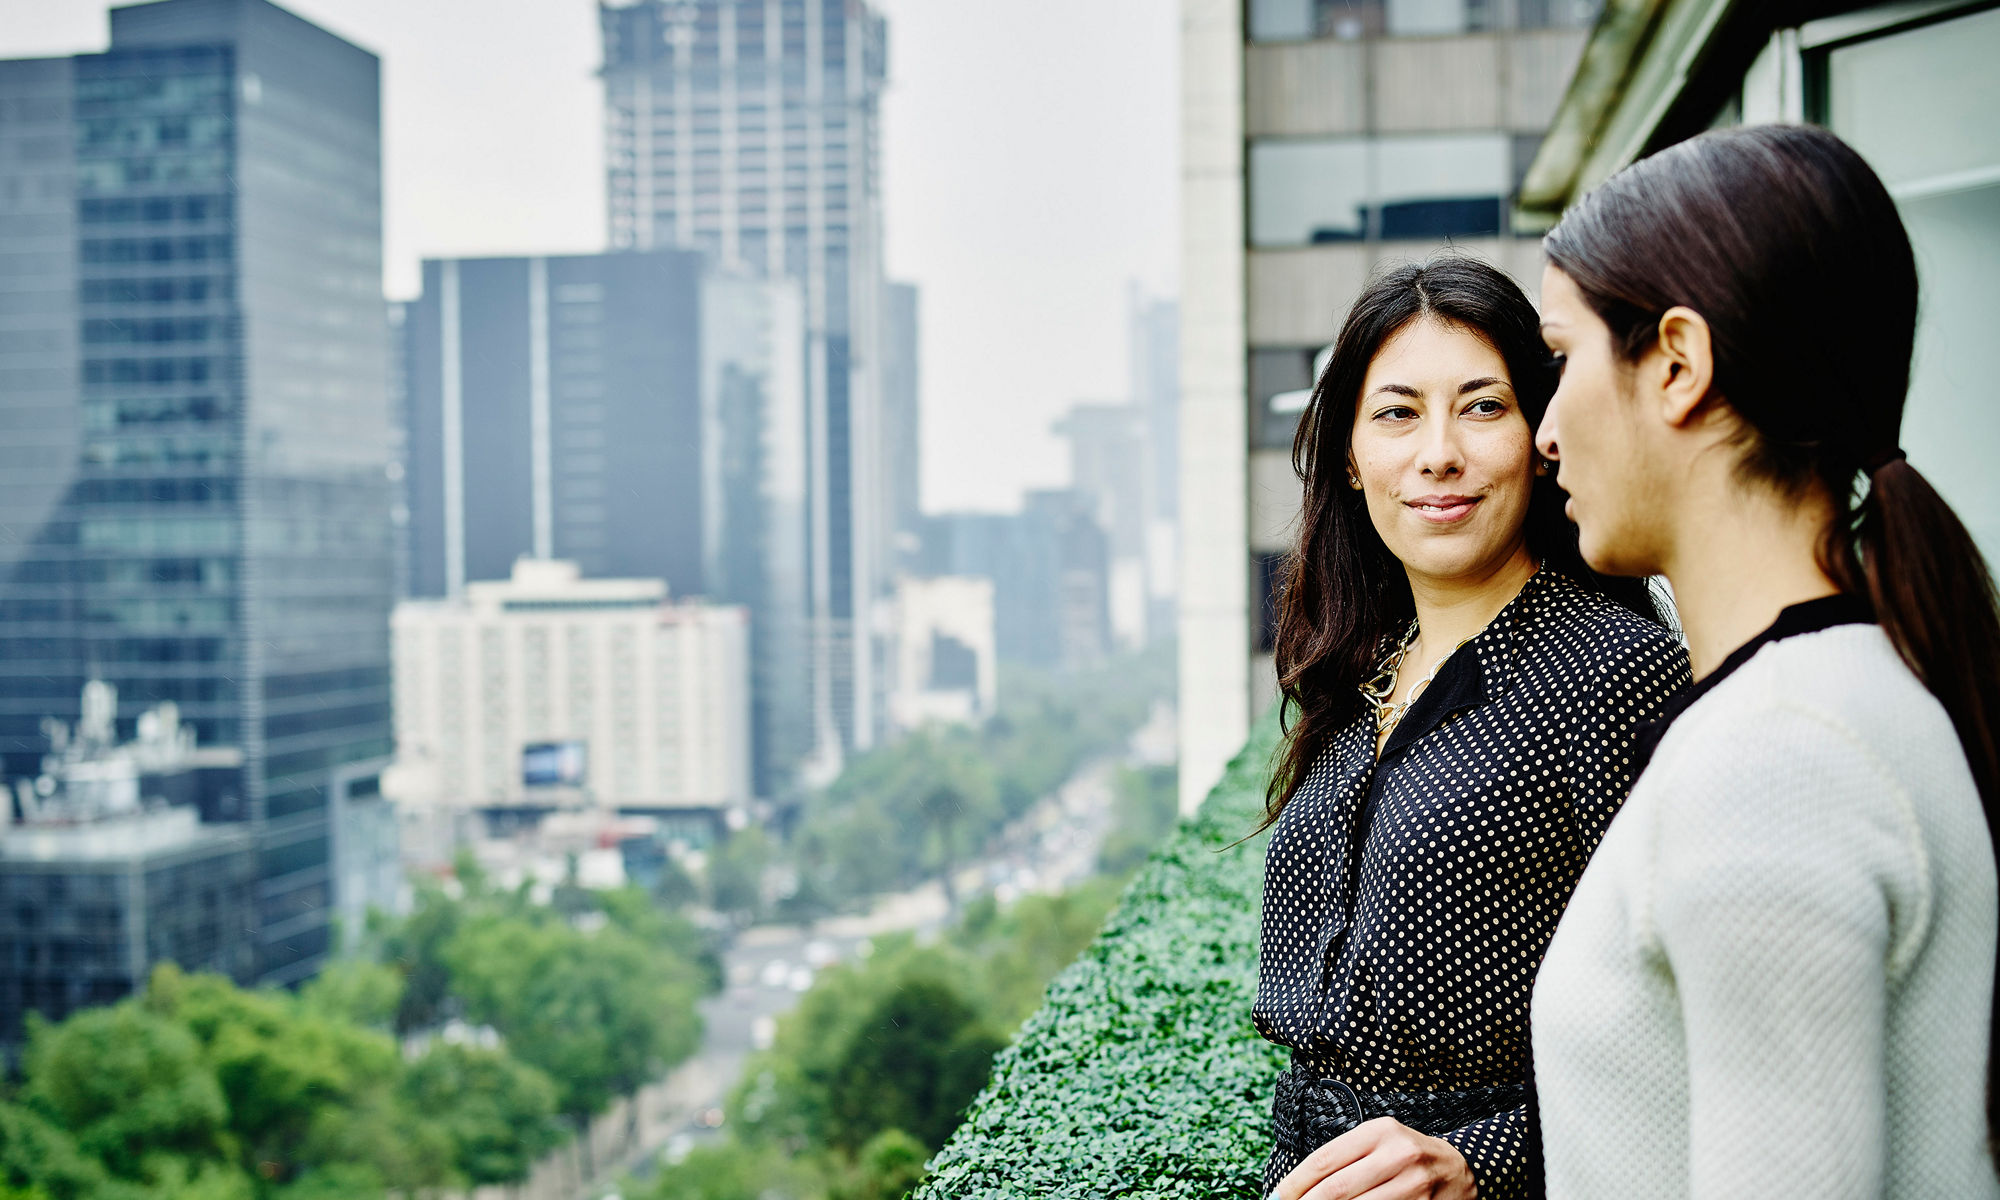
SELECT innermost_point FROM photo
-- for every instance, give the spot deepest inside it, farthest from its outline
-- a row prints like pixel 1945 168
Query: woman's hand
pixel 1381 1159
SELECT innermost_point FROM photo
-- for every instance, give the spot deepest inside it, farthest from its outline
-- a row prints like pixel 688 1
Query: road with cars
pixel 768 968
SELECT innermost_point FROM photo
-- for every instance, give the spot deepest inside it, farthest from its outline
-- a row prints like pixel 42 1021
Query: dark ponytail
pixel 1917 564
pixel 1788 245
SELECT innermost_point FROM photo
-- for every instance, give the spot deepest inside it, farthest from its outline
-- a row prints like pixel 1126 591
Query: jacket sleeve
pixel 1783 902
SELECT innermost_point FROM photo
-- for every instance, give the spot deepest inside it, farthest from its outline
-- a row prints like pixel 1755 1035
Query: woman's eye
pixel 1488 407
pixel 1396 412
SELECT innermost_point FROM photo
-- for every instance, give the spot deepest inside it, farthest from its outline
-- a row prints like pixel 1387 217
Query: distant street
pixel 1050 848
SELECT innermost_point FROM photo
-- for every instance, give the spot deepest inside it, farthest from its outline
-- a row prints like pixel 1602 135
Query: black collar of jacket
pixel 1809 616
pixel 1477 672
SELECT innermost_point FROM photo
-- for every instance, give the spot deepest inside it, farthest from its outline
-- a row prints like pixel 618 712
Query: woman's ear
pixel 1682 364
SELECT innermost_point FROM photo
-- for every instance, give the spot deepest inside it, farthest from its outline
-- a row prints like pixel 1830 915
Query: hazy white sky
pixel 1029 164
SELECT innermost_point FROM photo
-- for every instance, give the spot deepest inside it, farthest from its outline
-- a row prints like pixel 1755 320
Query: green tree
pixel 675 889
pixel 303 1090
pixel 600 1013
pixel 359 992
pixel 498 1113
pixel 889 1167
pixel 39 1160
pixel 1145 803
pixel 1012 956
pixel 636 913
pixel 916 1060
pixel 130 1087
pixel 732 1170
pixel 736 872
pixel 415 947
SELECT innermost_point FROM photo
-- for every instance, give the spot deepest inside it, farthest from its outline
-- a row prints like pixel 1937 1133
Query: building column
pixel 1214 439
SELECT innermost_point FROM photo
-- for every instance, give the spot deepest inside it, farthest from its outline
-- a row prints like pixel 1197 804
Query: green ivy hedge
pixel 1140 1076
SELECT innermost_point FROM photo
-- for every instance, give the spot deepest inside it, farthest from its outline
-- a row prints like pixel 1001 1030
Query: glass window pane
pixel 1280 20
pixel 1413 17
pixel 1308 191
pixel 1919 106
pixel 1344 189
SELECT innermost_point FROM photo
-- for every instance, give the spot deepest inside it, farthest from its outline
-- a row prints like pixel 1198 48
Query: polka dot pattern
pixel 1408 902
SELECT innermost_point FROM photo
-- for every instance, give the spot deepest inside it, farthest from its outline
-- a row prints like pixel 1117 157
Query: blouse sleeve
pixel 1504 1152
pixel 1633 686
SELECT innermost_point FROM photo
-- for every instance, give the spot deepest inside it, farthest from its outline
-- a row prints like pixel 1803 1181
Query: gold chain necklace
pixel 1378 690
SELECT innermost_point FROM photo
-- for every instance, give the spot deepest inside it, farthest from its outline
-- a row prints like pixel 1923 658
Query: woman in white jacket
pixel 1776 976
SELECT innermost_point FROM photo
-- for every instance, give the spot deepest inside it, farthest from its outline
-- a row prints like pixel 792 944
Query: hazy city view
pixel 524 694
pixel 597 595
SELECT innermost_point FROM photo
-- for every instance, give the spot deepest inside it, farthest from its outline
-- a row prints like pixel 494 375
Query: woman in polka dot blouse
pixel 1461 694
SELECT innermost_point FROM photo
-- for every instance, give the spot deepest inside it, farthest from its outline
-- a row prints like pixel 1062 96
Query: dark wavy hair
pixel 1788 245
pixel 1344 593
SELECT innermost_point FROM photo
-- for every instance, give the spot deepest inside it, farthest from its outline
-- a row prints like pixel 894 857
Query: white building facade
pixel 650 699
pixel 1320 139
pixel 944 651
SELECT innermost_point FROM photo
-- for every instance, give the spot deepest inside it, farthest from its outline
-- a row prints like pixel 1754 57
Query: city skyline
pixel 1071 185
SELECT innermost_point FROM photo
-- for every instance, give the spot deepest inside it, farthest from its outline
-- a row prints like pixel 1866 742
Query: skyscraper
pixel 192 376
pixel 555 411
pixel 902 427
pixel 1156 389
pixel 1110 456
pixel 749 129
pixel 755 522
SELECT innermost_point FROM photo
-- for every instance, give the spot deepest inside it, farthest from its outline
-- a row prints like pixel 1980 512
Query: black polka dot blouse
pixel 1407 903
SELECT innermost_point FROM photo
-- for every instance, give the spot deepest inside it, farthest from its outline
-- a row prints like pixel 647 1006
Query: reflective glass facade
pixel 573 386
pixel 208 520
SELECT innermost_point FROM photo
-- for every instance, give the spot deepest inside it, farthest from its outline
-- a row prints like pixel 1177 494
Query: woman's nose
pixel 1545 437
pixel 1441 454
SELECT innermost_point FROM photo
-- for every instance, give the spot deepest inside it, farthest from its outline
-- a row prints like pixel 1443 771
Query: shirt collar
pixel 1810 616
pixel 1478 671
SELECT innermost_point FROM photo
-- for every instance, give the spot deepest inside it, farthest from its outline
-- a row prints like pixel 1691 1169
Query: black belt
pixel 1311 1111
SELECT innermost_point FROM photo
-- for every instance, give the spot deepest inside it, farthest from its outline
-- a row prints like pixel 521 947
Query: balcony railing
pixel 1140 1076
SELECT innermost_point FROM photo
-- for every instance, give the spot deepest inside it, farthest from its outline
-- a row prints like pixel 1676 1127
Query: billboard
pixel 552 764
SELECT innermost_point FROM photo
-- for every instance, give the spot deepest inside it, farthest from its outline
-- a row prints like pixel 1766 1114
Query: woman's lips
pixel 1443 510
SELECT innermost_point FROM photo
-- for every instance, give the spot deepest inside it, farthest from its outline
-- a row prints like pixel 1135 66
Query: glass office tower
pixel 198 506
pixel 749 129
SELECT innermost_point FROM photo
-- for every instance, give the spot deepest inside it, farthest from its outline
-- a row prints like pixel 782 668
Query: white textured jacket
pixel 1774 977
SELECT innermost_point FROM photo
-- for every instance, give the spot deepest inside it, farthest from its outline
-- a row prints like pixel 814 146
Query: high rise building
pixel 550 690
pixel 1110 456
pixel 902 427
pixel 1050 567
pixel 756 524
pixel 554 410
pixel 397 313
pixel 749 129
pixel 1320 139
pixel 192 377
pixel 1156 390
pixel 945 669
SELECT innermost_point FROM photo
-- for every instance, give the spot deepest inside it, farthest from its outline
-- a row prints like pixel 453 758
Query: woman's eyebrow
pixel 1400 389
pixel 1473 385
